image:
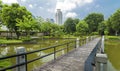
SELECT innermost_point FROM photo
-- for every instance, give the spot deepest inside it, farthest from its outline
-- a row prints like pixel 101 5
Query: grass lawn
pixel 113 37
pixel 4 41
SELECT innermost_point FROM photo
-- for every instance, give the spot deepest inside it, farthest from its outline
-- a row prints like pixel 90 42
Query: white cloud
pixel 23 0
pixel 30 5
pixel 71 14
pixel 68 5
pixel 9 1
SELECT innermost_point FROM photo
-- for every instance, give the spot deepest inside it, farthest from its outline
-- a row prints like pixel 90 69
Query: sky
pixel 70 8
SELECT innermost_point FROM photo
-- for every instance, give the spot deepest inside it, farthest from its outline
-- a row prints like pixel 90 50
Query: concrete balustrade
pixel 77 42
pixel 101 59
pixel 20 59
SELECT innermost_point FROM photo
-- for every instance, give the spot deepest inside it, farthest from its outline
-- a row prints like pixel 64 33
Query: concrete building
pixel 50 20
pixel 58 16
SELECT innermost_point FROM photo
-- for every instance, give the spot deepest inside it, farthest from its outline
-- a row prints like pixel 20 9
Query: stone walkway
pixel 74 61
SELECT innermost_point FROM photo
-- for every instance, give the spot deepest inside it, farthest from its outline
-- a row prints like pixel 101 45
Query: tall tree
pixel 12 12
pixel 115 21
pixel 69 26
pixel 28 24
pixel 82 27
pixel 76 20
pixel 46 27
pixel 39 21
pixel 102 27
pixel 93 21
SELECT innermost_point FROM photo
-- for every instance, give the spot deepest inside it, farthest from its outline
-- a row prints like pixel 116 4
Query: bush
pixel 94 33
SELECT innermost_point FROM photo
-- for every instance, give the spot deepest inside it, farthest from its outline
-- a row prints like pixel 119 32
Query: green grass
pixel 5 63
pixel 4 41
pixel 113 37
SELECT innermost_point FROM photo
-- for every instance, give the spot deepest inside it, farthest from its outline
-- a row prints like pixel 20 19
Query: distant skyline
pixel 70 8
pixel 58 17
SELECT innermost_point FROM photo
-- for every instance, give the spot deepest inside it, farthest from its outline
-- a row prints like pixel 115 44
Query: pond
pixel 112 48
pixel 43 43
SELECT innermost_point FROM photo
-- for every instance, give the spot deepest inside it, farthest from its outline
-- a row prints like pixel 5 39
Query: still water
pixel 112 48
pixel 11 49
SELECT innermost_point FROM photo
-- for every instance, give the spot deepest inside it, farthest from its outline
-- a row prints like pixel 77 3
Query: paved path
pixel 74 61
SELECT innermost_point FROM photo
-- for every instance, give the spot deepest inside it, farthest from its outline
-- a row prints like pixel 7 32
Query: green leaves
pixel 70 25
pixel 93 21
pixel 27 24
pixel 82 27
pixel 12 12
pixel 115 18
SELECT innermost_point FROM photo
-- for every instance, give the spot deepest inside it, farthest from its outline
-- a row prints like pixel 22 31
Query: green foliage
pixel 56 30
pixel 69 26
pixel 27 24
pixel 39 21
pixel 4 41
pixel 106 32
pixel 76 20
pixel 94 33
pixel 102 27
pixel 10 13
pixel 82 27
pixel 45 27
pixel 114 21
pixel 5 63
pixel 93 21
pixel 113 37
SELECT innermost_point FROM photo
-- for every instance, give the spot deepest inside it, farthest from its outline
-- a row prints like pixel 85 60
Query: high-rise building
pixel 58 16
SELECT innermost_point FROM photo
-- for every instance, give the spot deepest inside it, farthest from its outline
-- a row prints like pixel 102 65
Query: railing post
pixel 67 48
pixel 54 53
pixel 102 46
pixel 77 42
pixel 101 59
pixel 86 41
pixel 21 59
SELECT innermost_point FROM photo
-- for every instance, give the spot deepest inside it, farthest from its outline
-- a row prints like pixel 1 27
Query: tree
pixel 115 21
pixel 12 12
pixel 102 27
pixel 109 27
pixel 39 21
pixel 93 21
pixel 27 24
pixel 69 26
pixel 46 28
pixel 76 20
pixel 82 27
pixel 56 30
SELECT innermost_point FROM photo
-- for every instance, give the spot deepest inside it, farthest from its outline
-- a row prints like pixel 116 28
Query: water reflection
pixel 11 49
pixel 5 51
pixel 113 50
pixel 110 67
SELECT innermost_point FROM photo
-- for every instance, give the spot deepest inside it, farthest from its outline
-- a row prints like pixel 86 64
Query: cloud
pixel 9 1
pixel 71 14
pixel 30 5
pixel 68 5
pixel 23 0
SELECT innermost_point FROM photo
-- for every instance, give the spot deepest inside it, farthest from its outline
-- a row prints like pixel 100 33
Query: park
pixel 44 41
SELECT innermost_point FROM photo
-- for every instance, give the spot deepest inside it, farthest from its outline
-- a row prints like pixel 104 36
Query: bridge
pixel 73 61
pixel 81 58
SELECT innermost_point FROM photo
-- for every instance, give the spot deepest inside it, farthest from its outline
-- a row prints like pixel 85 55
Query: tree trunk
pixel 116 33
